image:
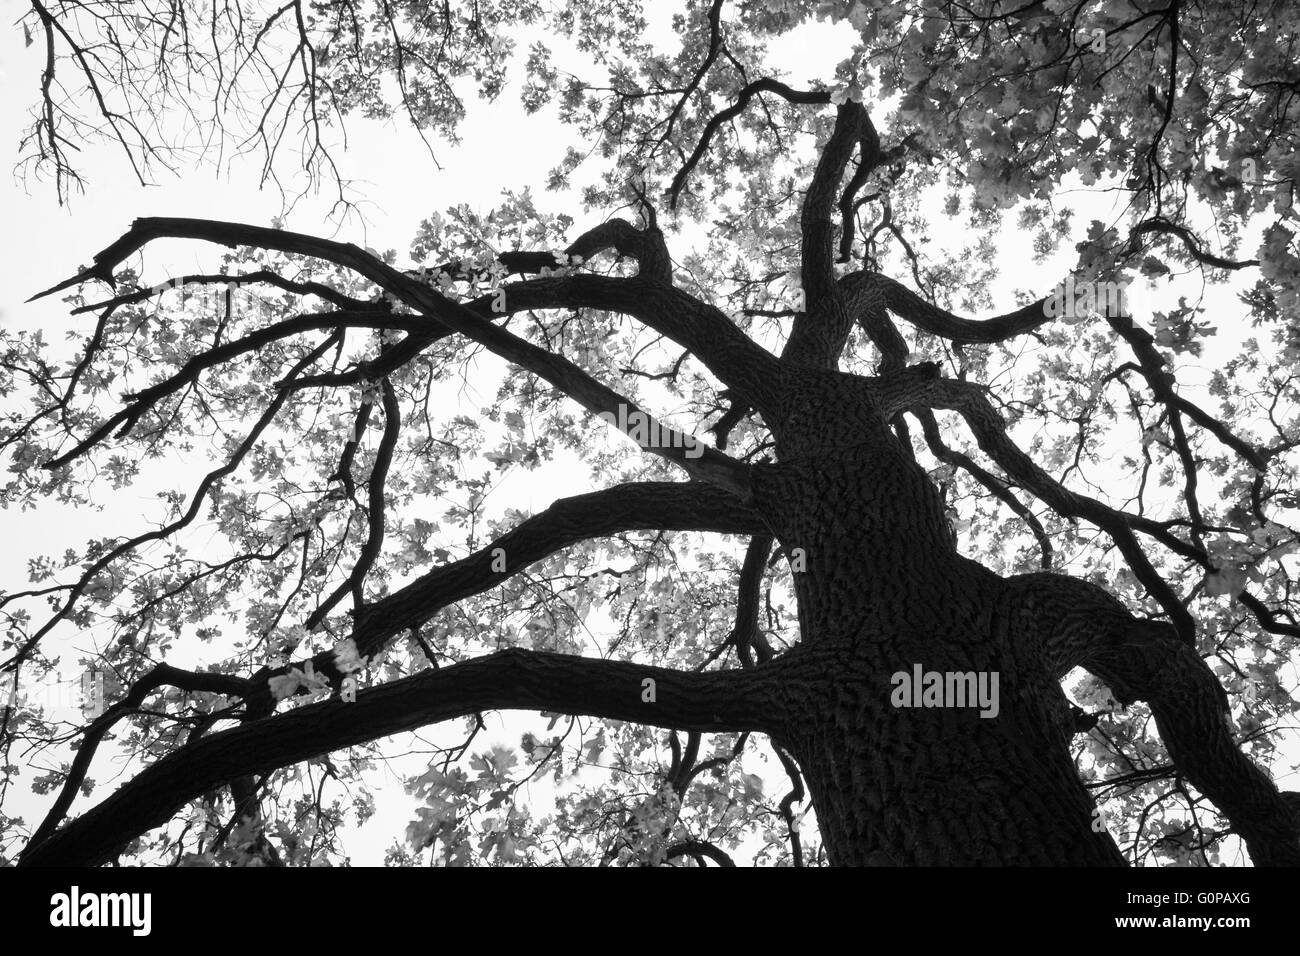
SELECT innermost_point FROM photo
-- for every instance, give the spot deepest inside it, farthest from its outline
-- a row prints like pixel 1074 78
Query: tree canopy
pixel 733 264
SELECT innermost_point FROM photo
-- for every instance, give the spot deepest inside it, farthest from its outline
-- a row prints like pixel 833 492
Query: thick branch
pixel 641 506
pixel 745 367
pixel 745 633
pixel 816 222
pixel 906 304
pixel 865 301
pixel 646 246
pixel 699 849
pixel 508 680
pixel 688 452
pixel 1078 624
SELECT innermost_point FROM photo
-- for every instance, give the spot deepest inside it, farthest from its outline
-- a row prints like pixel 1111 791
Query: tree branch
pixel 645 246
pixel 1163 226
pixel 125 419
pixel 997 488
pixel 1079 624
pixel 906 304
pixel 160 676
pixel 705 463
pixel 746 94
pixel 745 634
pixel 741 364
pixel 196 501
pixel 508 680
pixel 375 514
pixel 990 433
pixel 698 849
pixel 650 505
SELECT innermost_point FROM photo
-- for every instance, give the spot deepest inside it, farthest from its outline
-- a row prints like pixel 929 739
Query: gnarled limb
pixel 1074 623
pixel 508 680
pixel 645 246
pixel 819 331
pixel 869 158
pixel 1163 226
pixel 906 304
pixel 865 300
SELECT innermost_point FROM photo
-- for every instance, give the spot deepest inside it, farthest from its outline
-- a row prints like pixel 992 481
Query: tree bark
pixel 884 593
pixel 508 679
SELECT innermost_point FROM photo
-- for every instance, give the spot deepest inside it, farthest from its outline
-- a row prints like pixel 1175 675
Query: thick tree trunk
pixel 882 593
pixel 941 786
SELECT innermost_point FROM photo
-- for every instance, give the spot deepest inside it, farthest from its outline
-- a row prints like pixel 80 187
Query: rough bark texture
pixel 885 590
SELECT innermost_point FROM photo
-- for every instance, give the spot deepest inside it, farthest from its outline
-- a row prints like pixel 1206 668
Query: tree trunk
pixel 883 592
pixel 942 786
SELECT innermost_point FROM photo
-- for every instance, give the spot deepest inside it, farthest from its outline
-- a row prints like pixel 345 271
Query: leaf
pixel 1230 581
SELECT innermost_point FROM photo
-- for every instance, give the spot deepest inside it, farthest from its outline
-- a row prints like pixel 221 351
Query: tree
pixel 1057 487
